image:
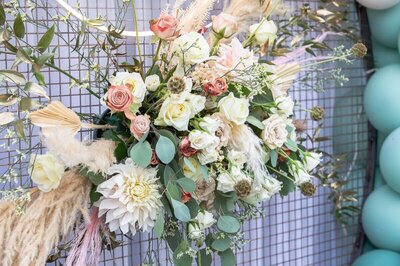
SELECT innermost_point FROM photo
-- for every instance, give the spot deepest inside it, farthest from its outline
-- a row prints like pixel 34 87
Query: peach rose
pixel 216 88
pixel 119 98
pixel 165 27
pixel 225 24
pixel 185 148
pixel 140 125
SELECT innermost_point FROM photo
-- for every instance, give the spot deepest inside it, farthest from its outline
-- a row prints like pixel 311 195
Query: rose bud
pixel 140 125
pixel 186 196
pixel 165 27
pixel 216 88
pixel 185 148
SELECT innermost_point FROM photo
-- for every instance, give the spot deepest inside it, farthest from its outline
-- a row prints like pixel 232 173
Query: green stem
pixel 279 173
pixel 156 56
pixel 137 32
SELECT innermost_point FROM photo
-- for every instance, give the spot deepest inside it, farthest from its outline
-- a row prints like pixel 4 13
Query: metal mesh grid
pixel 295 230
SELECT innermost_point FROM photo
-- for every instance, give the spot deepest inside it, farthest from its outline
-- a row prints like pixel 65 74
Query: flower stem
pixel 155 56
pixel 137 31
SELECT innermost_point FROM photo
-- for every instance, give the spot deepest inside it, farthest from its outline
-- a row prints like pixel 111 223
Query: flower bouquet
pixel 189 147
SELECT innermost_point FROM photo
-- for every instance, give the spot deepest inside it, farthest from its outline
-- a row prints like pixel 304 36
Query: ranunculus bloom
pixel 140 125
pixel 118 98
pixel 165 27
pixel 186 149
pixel 216 88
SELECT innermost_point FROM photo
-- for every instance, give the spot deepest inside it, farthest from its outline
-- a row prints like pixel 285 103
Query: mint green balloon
pixel 378 257
pixel 389 160
pixel 381 218
pixel 379 142
pixel 383 55
pixel 385 25
pixel 382 98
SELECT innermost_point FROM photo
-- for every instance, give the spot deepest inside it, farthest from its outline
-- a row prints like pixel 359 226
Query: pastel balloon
pixel 378 257
pixel 382 98
pixel 378 4
pixel 380 218
pixel 378 179
pixel 389 160
pixel 385 25
pixel 383 55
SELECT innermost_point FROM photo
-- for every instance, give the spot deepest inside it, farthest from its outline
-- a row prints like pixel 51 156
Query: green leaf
pixel 255 122
pixel 94 195
pixel 187 184
pixel 26 104
pixel 193 207
pixel 274 158
pixel 165 149
pixel 291 145
pixel 189 164
pixel 159 225
pixel 287 185
pixel 221 243
pixel 24 56
pixel 183 259
pixel 141 154
pixel 181 211
pixel 19 27
pixel 173 191
pixel 204 172
pixel 120 151
pixel 19 128
pixel 35 88
pixel 46 39
pixel 168 134
pixel 227 258
pixel 2 15
pixel 228 224
pixel 203 259
pixel 13 76
pixel 38 75
pixel 95 178
pixel 43 58
pixel 168 174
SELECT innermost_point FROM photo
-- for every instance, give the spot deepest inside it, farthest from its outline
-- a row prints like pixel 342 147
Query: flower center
pixel 137 191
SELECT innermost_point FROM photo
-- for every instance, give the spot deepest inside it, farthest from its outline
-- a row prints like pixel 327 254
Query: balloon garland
pixel 381 211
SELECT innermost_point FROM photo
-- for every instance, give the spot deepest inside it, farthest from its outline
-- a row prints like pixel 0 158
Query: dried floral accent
pixel 176 84
pixel 300 125
pixel 359 50
pixel 308 189
pixel 195 15
pixel 317 113
pixel 243 188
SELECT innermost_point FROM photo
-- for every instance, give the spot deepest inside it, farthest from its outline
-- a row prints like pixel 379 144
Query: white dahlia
pixel 131 199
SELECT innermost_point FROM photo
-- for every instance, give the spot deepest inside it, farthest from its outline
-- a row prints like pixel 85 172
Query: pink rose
pixel 119 98
pixel 225 24
pixel 165 27
pixel 185 148
pixel 140 125
pixel 216 88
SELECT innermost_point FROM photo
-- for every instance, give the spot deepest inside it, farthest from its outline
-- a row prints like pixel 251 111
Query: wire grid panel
pixel 294 230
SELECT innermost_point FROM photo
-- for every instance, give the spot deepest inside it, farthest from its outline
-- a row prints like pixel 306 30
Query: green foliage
pixel 181 211
pixel 19 27
pixel 159 225
pixel 13 76
pixel 255 122
pixel 180 257
pixel 227 258
pixel 221 243
pixel 228 224
pixel 94 195
pixel 46 39
pixel 2 15
pixel 95 178
pixel 141 154
pixel 165 149
pixel 193 207
pixel 203 259
pixel 187 184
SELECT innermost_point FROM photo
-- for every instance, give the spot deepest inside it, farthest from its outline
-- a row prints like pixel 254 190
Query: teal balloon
pixel 385 25
pixel 382 98
pixel 389 160
pixel 368 246
pixel 381 218
pixel 378 179
pixel 378 257
pixel 379 142
pixel 383 55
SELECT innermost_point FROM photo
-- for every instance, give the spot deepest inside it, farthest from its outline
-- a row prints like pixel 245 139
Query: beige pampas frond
pixel 57 115
pixel 243 139
pixel 195 15
pixel 98 156
pixel 286 74
pixel 28 238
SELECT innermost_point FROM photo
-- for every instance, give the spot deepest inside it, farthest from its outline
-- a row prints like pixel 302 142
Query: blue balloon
pixel 383 55
pixel 382 98
pixel 378 257
pixel 385 25
pixel 389 160
pixel 381 218
pixel 378 179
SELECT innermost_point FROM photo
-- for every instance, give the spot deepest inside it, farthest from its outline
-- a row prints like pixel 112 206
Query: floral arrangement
pixel 189 147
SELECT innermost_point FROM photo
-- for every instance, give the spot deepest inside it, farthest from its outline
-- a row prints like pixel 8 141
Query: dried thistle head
pixel 243 188
pixel 359 50
pixel 308 189
pixel 300 125
pixel 176 84
pixel 317 113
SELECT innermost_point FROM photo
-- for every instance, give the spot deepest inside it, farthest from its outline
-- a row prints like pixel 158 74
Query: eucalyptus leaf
pixel 204 172
pixel 159 225
pixel 181 211
pixel 274 157
pixel 291 145
pixel 46 39
pixel 227 258
pixel 168 174
pixel 189 164
pixel 141 154
pixel 228 224
pixel 221 243
pixel 165 149
pixel 255 122
pixel 173 191
pixel 203 258
pixel 193 207
pixel 2 15
pixel 187 184
pixel 35 88
pixel 13 76
pixel 19 27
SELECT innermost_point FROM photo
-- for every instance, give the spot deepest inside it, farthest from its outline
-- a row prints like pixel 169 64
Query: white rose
pixel 197 103
pixel 234 109
pixel 210 124
pixel 264 32
pixel 175 114
pixel 205 219
pixel 46 172
pixel 191 48
pixel 195 232
pixel 191 168
pixel 285 105
pixel 208 155
pixel 225 183
pixel 237 175
pixel 274 134
pixel 300 174
pixel 152 82
pixel 264 190
pixel 312 160
pixel 237 158
pixel 202 140
pixel 135 83
pixel 224 131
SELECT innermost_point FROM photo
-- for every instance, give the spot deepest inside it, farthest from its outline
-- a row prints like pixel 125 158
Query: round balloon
pixel 389 160
pixel 381 4
pixel 383 55
pixel 380 218
pixel 385 25
pixel 382 98
pixel 378 179
pixel 378 257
